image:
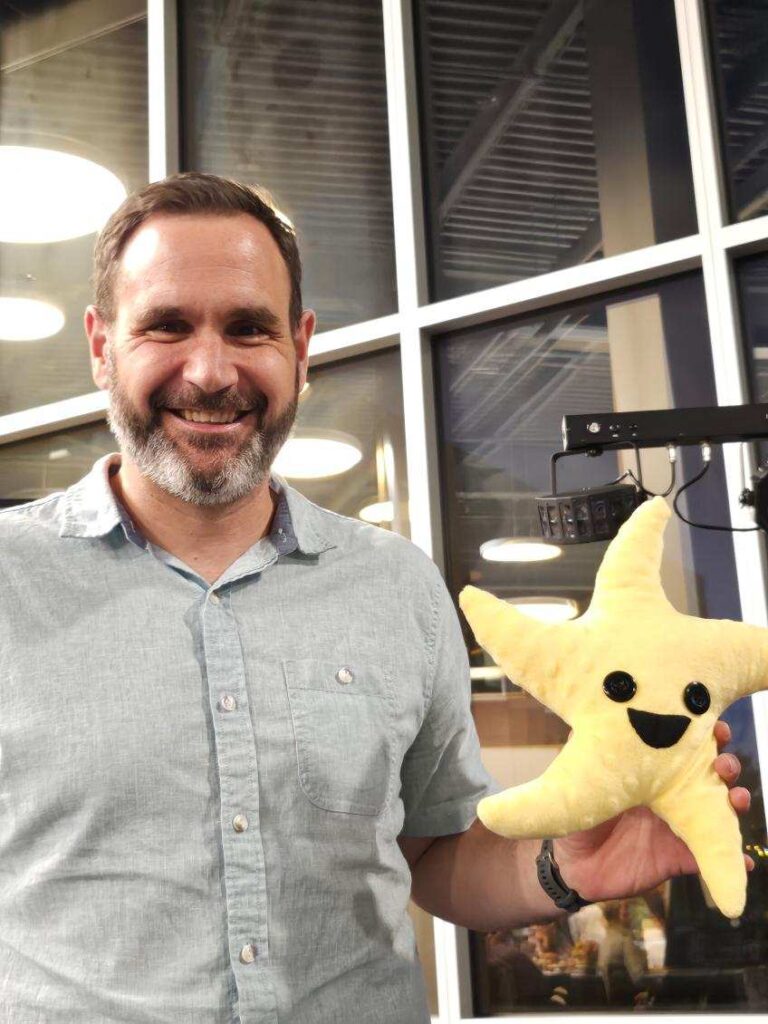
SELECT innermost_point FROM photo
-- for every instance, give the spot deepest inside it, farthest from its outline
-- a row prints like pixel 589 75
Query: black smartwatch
pixel 552 883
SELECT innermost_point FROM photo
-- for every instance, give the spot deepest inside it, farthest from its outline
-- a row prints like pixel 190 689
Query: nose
pixel 209 364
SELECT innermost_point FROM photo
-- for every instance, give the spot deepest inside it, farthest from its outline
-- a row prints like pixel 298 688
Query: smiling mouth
pixel 658 731
pixel 239 416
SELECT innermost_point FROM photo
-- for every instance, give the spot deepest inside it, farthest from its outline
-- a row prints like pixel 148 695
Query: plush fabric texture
pixel 651 749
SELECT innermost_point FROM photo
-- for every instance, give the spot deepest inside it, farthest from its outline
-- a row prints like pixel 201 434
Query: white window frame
pixel 416 320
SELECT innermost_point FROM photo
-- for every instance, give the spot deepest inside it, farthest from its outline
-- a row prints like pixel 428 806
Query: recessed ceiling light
pixel 320 454
pixel 28 319
pixel 378 512
pixel 546 609
pixel 518 549
pixel 47 196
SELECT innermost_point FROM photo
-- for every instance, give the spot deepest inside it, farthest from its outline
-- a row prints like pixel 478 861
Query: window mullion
pixel 162 68
pixel 722 308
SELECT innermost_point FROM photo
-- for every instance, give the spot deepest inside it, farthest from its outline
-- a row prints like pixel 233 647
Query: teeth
pixel 208 417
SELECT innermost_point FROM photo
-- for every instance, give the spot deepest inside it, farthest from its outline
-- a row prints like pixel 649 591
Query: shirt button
pixel 239 823
pixel 227 702
pixel 344 675
pixel 214 598
pixel 248 953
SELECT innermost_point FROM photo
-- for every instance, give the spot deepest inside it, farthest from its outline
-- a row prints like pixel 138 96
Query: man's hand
pixel 636 850
pixel 483 881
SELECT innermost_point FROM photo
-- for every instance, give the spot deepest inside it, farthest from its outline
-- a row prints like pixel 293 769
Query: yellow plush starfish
pixel 641 686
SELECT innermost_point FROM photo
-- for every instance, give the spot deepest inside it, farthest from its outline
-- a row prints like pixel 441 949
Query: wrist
pixel 552 880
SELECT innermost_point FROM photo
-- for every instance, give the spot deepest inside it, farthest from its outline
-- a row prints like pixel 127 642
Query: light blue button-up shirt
pixel 201 787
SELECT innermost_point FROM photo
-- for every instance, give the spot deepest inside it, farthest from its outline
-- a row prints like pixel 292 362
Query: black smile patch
pixel 658 730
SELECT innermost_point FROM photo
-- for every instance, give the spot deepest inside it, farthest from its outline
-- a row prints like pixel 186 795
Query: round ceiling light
pixel 518 549
pixel 546 609
pixel 28 319
pixel 317 455
pixel 378 512
pixel 47 196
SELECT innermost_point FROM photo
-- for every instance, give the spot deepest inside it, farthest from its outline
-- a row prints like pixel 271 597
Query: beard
pixel 233 472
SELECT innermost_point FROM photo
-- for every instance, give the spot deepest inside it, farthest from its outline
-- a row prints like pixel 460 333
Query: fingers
pixel 749 862
pixel 740 799
pixel 722 733
pixel 728 767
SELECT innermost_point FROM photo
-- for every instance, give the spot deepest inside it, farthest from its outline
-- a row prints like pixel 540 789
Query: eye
pixel 167 327
pixel 619 686
pixel 247 328
pixel 696 698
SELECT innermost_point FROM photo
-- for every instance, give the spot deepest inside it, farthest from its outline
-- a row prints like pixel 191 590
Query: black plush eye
pixel 696 698
pixel 619 686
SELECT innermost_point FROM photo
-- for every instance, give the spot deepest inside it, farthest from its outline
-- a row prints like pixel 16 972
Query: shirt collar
pixel 89 508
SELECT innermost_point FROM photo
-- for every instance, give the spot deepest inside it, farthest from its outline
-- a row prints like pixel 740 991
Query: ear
pixel 301 339
pixel 96 332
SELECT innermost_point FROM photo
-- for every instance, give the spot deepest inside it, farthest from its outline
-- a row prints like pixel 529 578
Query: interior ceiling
pixel 508 98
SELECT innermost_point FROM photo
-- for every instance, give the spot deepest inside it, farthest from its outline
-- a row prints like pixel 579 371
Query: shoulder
pixel 354 536
pixel 41 514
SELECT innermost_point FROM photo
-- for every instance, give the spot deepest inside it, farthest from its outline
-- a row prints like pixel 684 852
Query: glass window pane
pixel 359 401
pixel 43 465
pixel 502 392
pixel 73 81
pixel 739 39
pixel 553 133
pixel 752 282
pixel 291 95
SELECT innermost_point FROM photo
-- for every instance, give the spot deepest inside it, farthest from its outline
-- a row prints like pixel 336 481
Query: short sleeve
pixel 443 776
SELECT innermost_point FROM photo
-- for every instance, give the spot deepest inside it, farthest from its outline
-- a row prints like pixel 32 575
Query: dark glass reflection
pixel 291 95
pixel 502 390
pixel 752 281
pixel 739 41
pixel 553 133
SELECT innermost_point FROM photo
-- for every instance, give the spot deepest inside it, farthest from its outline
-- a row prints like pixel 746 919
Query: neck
pixel 179 526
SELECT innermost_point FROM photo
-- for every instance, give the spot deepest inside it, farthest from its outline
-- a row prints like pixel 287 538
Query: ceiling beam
pixel 37 37
pixel 547 43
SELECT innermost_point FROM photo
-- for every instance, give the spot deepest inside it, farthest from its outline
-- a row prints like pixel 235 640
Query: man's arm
pixel 477 879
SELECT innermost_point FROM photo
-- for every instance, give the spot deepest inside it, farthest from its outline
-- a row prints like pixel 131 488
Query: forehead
pixel 177 259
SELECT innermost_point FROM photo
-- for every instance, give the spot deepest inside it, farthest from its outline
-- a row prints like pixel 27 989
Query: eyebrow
pixel 262 314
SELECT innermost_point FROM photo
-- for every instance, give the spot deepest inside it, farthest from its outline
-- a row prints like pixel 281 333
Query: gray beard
pixel 158 457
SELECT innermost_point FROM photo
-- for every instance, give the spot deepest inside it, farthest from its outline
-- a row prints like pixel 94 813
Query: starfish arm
pixel 741 655
pixel 632 561
pixel 576 791
pixel 532 654
pixel 699 811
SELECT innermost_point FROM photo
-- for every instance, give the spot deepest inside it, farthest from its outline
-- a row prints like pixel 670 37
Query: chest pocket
pixel 342 715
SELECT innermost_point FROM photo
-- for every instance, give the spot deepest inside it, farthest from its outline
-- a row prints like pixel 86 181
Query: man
pixel 235 726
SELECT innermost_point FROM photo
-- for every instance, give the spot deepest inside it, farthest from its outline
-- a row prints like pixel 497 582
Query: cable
pixel 706 453
pixel 672 452
pixel 672 481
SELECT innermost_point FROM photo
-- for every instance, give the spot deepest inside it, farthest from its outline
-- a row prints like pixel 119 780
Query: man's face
pixel 202 325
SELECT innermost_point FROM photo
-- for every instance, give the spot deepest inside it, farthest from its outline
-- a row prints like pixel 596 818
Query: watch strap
pixel 552 882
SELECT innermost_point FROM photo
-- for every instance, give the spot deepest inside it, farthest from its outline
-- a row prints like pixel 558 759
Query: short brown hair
pixel 190 192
